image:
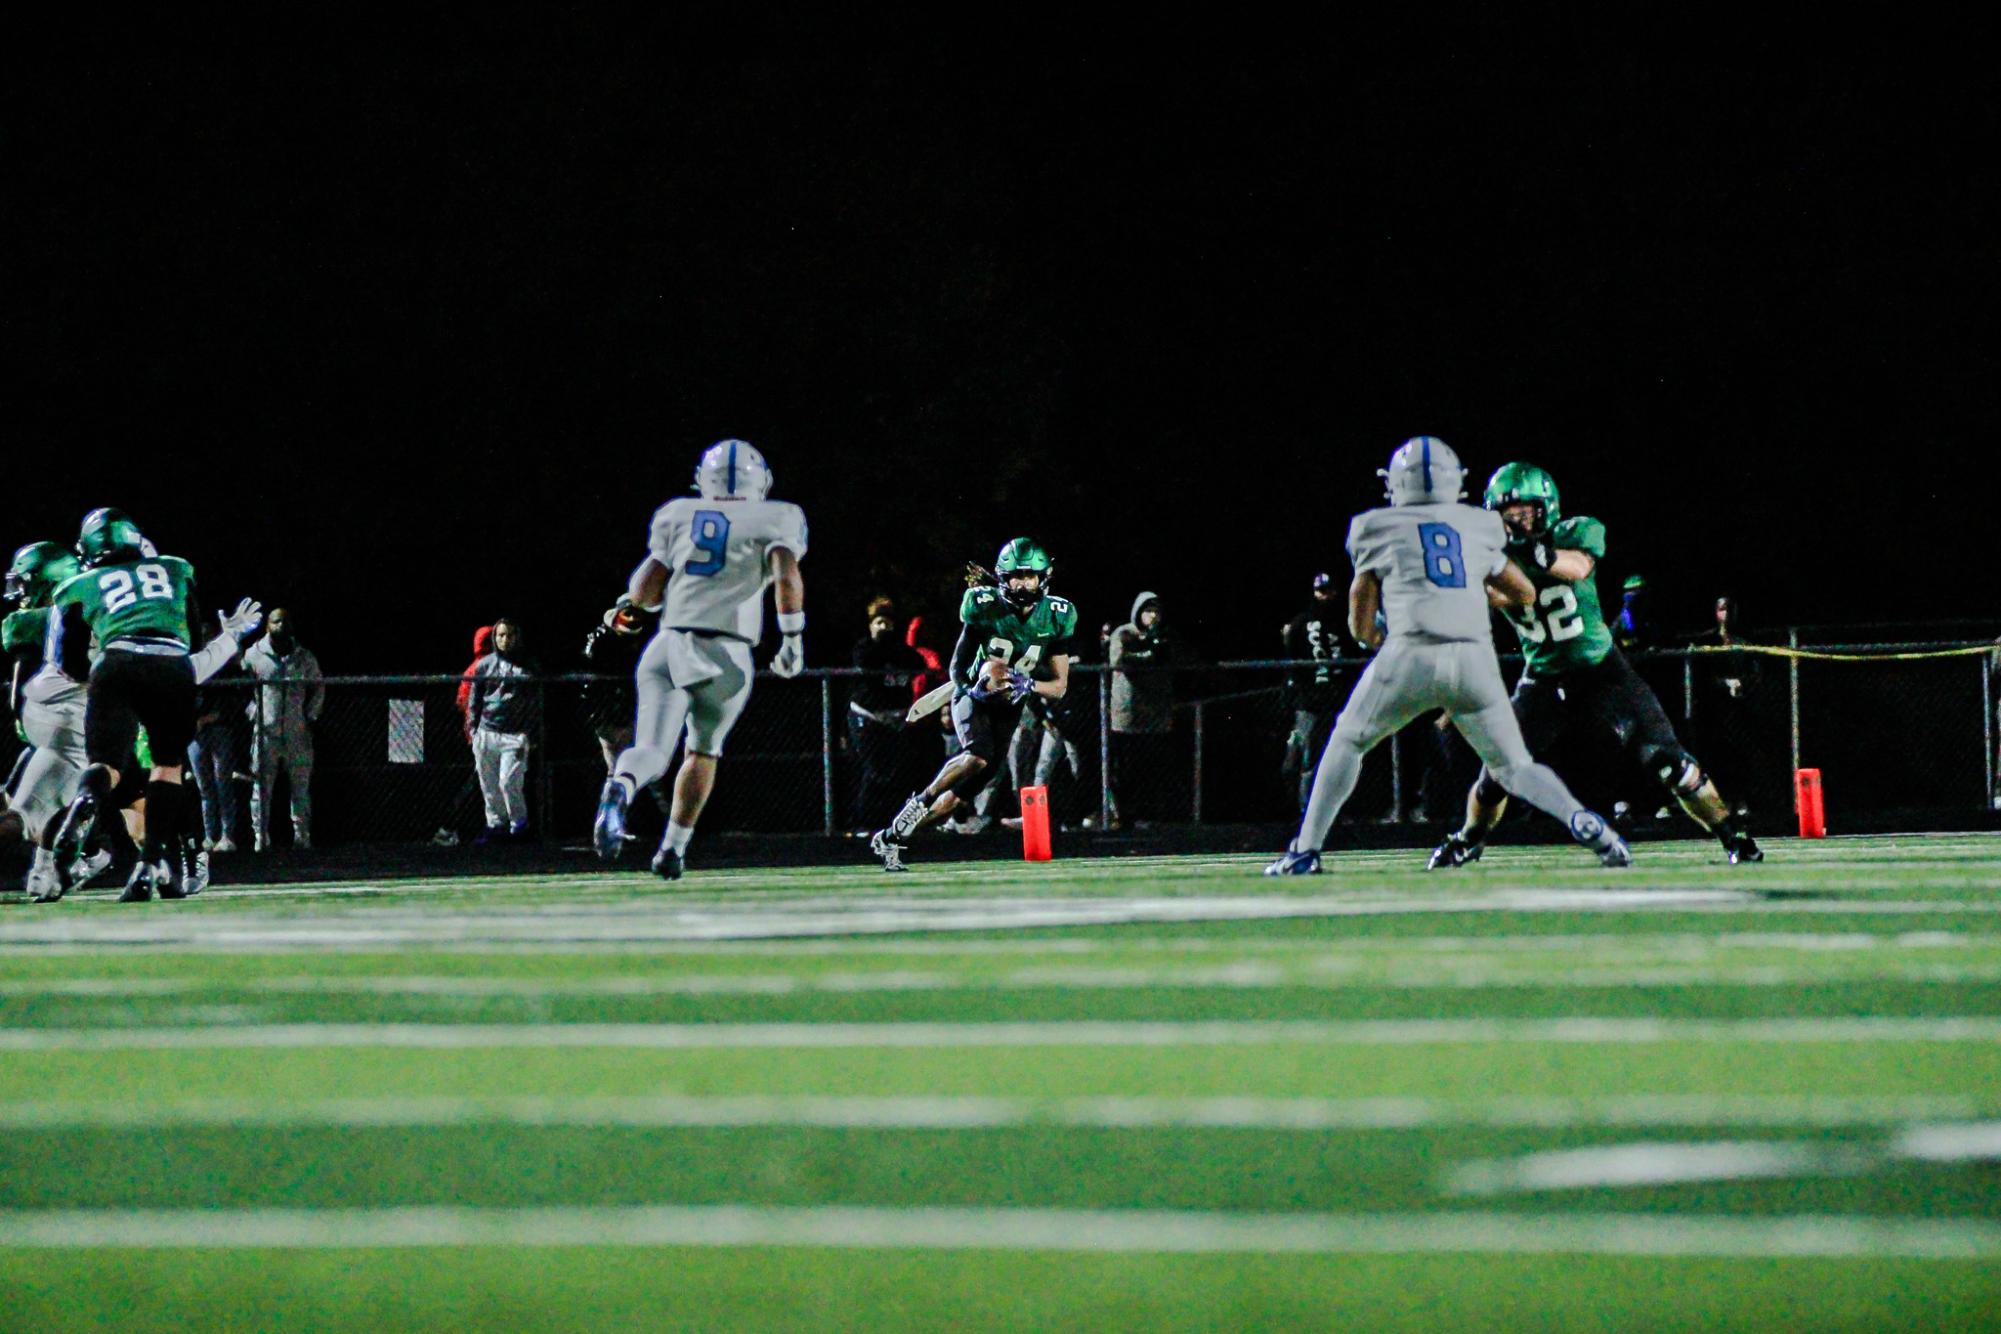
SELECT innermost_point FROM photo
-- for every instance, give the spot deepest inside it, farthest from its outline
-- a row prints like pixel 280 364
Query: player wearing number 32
pixel 1430 563
pixel 1574 672
pixel 709 560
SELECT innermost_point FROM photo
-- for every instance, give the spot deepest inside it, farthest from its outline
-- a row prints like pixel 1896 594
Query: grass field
pixel 1142 1094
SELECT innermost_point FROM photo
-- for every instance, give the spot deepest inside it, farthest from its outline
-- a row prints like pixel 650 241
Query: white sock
pixel 678 836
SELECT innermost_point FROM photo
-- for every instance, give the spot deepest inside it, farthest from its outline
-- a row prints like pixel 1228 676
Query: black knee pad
pixel 1489 790
pixel 975 782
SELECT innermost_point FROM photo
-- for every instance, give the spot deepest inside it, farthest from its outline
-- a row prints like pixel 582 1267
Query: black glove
pixel 1540 550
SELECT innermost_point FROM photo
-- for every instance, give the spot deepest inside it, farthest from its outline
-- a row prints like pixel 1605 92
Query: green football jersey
pixel 1565 630
pixel 1024 642
pixel 24 629
pixel 140 599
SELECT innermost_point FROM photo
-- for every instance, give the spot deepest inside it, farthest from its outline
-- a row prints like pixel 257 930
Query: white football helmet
pixel 733 470
pixel 1424 471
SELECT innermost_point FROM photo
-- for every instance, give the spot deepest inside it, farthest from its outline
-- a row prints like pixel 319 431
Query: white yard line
pixel 1624 1166
pixel 1082 1033
pixel 1941 1142
pixel 1056 1230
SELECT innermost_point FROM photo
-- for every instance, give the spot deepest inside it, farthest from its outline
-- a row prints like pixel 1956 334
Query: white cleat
pixel 887 848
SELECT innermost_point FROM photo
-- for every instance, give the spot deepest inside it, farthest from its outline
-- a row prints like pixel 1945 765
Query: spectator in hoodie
pixel 1142 712
pixel 459 811
pixel 288 701
pixel 504 708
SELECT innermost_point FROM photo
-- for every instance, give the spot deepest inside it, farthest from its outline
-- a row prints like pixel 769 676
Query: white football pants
pixel 1412 677
pixel 685 682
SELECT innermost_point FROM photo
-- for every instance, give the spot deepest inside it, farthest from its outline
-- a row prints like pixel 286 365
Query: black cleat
pixel 146 877
pixel 77 830
pixel 667 864
pixel 1743 848
pixel 1454 851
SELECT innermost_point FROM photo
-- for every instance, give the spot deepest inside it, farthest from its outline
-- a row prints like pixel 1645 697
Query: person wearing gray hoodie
pixel 1142 712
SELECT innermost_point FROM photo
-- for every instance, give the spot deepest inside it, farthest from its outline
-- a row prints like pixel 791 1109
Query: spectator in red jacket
pixel 468 795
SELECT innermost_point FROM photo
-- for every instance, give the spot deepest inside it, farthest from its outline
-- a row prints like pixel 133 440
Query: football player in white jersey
pixel 1433 566
pixel 710 558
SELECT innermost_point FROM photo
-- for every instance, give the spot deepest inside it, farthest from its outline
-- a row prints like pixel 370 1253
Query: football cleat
pixel 44 885
pixel 667 863
pixel 905 823
pixel 1454 851
pixel 194 873
pixel 1590 829
pixel 77 829
pixel 88 868
pixel 146 877
pixel 1296 863
pixel 886 846
pixel 1743 848
pixel 608 832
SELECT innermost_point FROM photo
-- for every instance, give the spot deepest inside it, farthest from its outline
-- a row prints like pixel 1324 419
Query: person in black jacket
pixel 875 714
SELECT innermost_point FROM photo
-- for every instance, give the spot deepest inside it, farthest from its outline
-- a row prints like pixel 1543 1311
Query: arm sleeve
pixel 213 656
pixel 1581 534
pixel 1363 549
pixel 963 653
pixel 791 533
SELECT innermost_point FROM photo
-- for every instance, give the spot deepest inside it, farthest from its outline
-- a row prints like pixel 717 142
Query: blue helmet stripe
pixel 1427 465
pixel 732 486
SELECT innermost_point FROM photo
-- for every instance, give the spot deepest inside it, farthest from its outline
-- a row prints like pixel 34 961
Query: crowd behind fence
pixel 1908 739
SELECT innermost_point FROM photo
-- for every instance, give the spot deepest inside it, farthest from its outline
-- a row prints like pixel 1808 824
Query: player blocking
pixel 1431 564
pixel 709 559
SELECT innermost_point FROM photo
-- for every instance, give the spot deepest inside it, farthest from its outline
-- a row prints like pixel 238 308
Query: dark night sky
pixel 409 333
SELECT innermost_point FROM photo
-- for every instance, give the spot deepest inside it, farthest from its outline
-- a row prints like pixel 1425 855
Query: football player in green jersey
pixel 140 608
pixel 32 577
pixel 1014 643
pixel 1574 673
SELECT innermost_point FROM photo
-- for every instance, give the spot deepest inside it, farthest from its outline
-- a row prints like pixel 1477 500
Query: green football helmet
pixel 1515 482
pixel 109 535
pixel 38 570
pixel 1023 555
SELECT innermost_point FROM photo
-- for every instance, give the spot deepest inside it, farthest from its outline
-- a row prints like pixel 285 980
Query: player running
pixel 1431 565
pixel 710 559
pixel 1015 642
pixel 1574 673
pixel 140 610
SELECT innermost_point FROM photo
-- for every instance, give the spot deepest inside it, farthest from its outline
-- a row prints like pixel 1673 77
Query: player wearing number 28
pixel 141 610
pixel 1431 564
pixel 1573 672
pixel 1014 642
pixel 709 559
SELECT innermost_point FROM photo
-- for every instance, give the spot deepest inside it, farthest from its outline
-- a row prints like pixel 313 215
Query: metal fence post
pixel 545 798
pixel 1688 688
pixel 1396 778
pixel 1104 749
pixel 1987 726
pixel 1793 684
pixel 827 753
pixel 1198 761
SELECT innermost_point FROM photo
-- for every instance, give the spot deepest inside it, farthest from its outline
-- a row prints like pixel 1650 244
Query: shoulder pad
pixel 977 602
pixel 1581 533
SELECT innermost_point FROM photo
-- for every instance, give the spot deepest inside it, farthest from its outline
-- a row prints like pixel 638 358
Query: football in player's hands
pixel 996 675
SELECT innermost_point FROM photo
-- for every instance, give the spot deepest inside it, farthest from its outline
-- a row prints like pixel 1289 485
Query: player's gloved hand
pixel 791 657
pixel 1541 550
pixel 243 622
pixel 1020 685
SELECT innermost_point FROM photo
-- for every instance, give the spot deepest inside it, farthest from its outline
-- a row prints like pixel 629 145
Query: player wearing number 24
pixel 1574 673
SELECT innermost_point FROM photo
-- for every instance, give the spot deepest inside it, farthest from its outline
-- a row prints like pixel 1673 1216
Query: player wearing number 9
pixel 1574 674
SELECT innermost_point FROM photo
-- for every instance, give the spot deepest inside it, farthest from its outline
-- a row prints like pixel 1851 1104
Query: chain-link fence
pixel 1906 741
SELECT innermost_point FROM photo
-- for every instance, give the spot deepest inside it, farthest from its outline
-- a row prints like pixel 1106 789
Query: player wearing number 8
pixel 1574 672
pixel 141 609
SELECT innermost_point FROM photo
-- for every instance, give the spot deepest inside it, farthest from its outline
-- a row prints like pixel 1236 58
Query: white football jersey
pixel 1433 561
pixel 717 553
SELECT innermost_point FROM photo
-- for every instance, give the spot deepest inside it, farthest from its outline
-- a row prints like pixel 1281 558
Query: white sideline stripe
pixel 1325 975
pixel 1079 1033
pixel 1930 1142
pixel 1056 1230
